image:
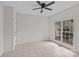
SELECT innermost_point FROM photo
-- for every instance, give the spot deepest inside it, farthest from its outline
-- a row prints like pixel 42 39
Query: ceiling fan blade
pixel 39 3
pixel 41 11
pixel 36 8
pixel 50 3
pixel 48 9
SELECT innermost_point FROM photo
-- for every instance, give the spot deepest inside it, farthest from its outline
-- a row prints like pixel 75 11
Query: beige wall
pixel 31 28
pixel 72 12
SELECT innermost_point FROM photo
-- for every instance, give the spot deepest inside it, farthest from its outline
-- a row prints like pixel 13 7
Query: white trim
pixel 61 32
pixel 2 49
pixel 14 29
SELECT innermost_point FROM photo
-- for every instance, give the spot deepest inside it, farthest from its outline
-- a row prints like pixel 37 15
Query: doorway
pixel 64 33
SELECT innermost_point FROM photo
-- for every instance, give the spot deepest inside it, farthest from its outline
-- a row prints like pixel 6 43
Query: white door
pixel 9 18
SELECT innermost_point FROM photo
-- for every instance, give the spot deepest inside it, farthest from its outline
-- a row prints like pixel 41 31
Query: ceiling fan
pixel 44 6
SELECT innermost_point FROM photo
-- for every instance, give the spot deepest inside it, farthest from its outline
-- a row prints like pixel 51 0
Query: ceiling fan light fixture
pixel 44 6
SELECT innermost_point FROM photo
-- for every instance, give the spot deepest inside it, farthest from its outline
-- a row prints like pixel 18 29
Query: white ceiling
pixel 27 6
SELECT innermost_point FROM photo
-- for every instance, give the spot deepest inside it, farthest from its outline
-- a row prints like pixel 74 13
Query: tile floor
pixel 40 49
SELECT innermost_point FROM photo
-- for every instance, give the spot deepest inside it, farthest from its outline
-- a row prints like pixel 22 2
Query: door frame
pixel 61 42
pixel 14 29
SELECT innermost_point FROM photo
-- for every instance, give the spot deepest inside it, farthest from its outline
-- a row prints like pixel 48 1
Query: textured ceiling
pixel 27 6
